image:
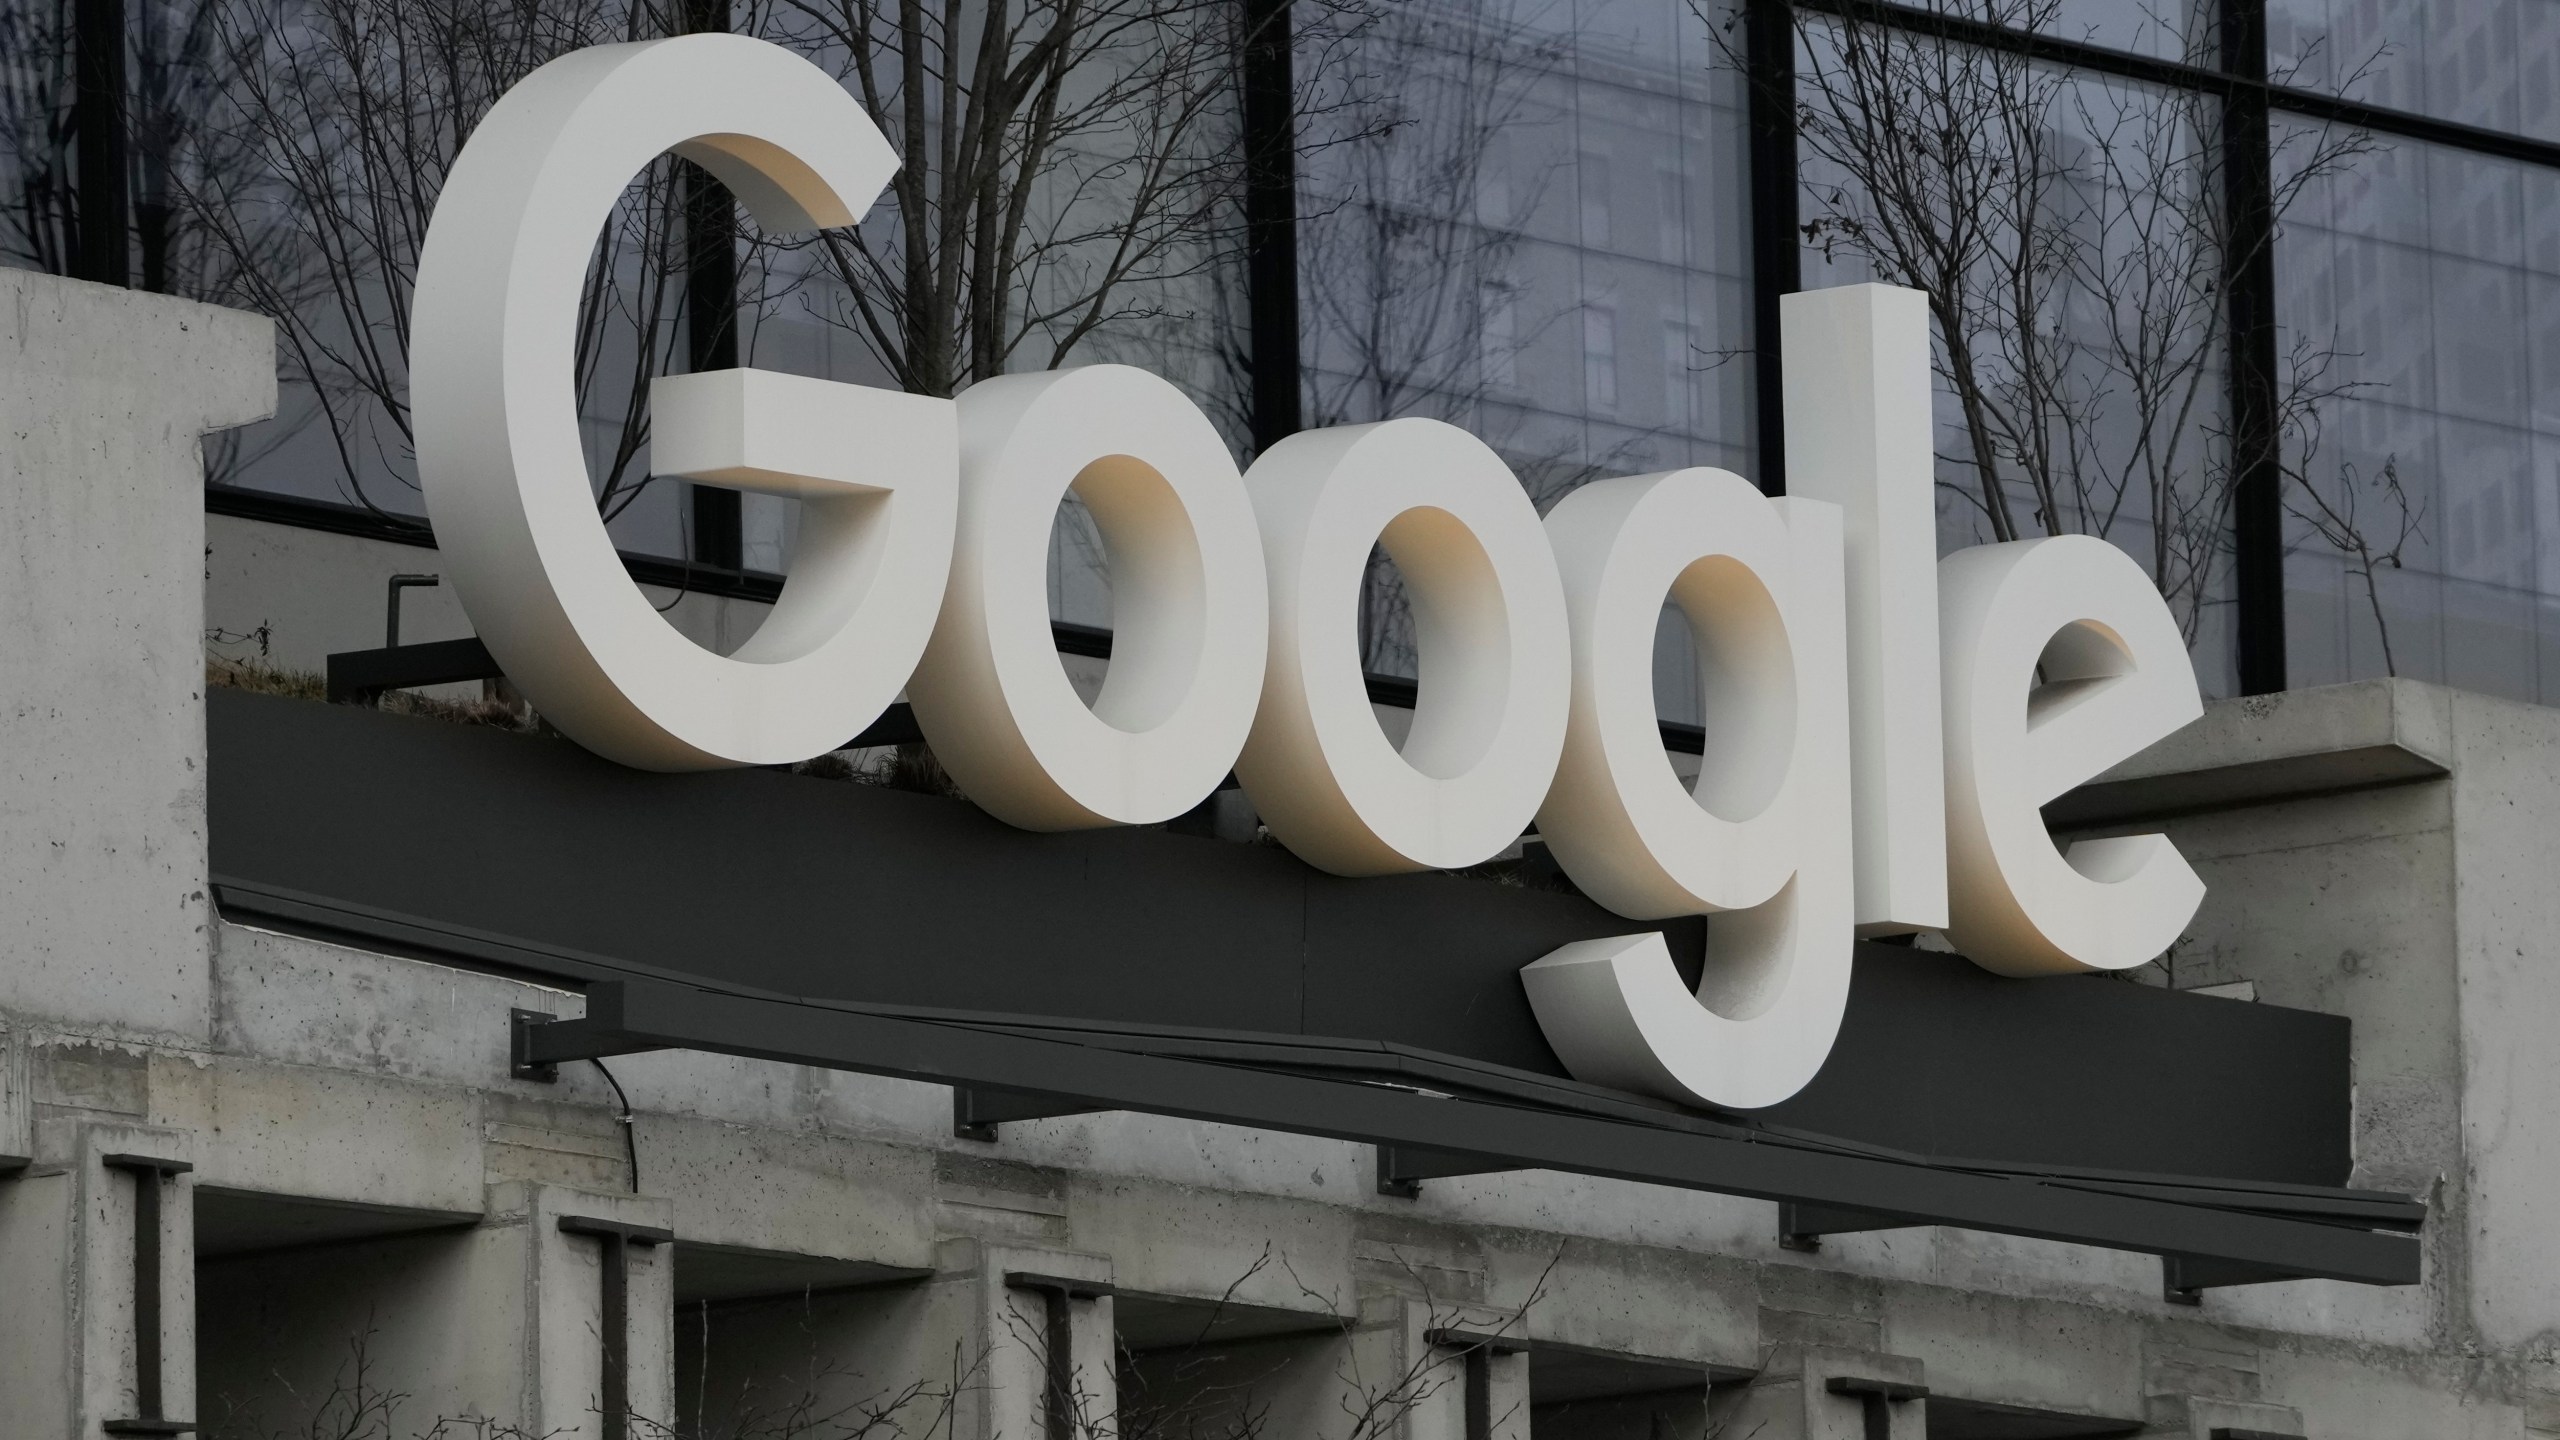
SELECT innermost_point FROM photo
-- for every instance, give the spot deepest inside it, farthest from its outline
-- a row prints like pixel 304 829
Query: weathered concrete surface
pixel 66 1264
pixel 103 396
pixel 497 1323
pixel 1791 1398
pixel 17 1105
pixel 2426 913
pixel 2506 924
pixel 2351 902
pixel 774 1158
pixel 2267 748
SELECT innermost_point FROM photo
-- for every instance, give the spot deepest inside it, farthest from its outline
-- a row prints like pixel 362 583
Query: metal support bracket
pixel 1801 1227
pixel 1403 1168
pixel 1876 1399
pixel 2227 1432
pixel 149 1174
pixel 616 1239
pixel 538 1043
pixel 1058 1295
pixel 358 676
pixel 976 1110
pixel 519 1061
pixel 2184 1279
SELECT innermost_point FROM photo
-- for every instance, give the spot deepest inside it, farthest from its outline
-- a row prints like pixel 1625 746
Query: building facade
pixel 283 1151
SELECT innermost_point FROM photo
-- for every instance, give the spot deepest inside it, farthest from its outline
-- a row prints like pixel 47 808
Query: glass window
pixel 1508 207
pixel 2490 63
pixel 2071 245
pixel 1600 359
pixel 1495 196
pixel 2424 530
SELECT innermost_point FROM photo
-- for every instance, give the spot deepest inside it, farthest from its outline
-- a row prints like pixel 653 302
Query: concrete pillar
pixel 538 1298
pixel 103 395
pixel 1016 1292
pixel 1792 1398
pixel 78 1356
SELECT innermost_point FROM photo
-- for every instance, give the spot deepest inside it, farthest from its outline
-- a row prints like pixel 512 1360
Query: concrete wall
pixel 103 395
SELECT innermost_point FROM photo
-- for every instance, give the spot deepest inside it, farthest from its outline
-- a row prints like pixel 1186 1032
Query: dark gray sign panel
pixel 1150 970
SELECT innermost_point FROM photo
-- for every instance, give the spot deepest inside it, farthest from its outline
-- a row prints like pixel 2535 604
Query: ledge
pixel 2303 743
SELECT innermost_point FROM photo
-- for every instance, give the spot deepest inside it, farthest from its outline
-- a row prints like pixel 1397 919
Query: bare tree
pixel 1066 166
pixel 40 217
pixel 1069 175
pixel 808 1405
pixel 338 121
pixel 1410 250
pixel 2334 511
pixel 2072 234
pixel 1187 1391
pixel 165 113
pixel 1413 297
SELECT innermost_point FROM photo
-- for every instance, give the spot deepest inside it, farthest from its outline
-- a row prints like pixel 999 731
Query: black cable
pixel 630 1138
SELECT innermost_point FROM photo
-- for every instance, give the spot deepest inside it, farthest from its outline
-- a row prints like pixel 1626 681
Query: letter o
pixel 1490 621
pixel 499 452
pixel 1188 604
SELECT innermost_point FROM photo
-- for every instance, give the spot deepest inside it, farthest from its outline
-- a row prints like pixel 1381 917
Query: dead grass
pixel 904 767
pixel 261 678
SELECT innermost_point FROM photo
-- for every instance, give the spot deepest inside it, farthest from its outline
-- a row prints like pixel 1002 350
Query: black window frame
pixel 1772 195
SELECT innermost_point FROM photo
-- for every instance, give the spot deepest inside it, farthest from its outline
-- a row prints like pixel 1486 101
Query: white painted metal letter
pixel 1490 627
pixel 497 426
pixel 1858 435
pixel 2061 661
pixel 1189 608
pixel 1761 842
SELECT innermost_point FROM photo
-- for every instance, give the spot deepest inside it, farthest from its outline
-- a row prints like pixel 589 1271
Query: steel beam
pixel 627 1016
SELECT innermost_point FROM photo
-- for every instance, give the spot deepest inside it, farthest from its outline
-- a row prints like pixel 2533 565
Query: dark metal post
pixel 615 1239
pixel 98 104
pixel 2249 288
pixel 391 609
pixel 1271 222
pixel 1058 1296
pixel 1059 1413
pixel 146 1292
pixel 1479 1416
pixel 1777 260
pixel 149 1174
pixel 711 312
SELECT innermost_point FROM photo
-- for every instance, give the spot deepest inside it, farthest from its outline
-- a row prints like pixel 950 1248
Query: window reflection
pixel 2445 305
